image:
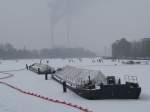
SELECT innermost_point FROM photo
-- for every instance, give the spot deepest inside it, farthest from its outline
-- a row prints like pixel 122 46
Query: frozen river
pixel 14 101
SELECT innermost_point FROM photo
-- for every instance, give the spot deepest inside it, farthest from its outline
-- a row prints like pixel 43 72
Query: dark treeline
pixel 7 51
pixel 66 52
pixel 125 49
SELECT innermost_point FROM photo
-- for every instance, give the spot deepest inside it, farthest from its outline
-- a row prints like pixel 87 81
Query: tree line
pixel 8 51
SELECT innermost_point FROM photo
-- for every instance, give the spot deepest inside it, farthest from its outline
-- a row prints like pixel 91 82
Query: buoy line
pixel 9 75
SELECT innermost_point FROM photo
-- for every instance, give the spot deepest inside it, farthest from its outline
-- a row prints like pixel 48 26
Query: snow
pixel 79 76
pixel 14 101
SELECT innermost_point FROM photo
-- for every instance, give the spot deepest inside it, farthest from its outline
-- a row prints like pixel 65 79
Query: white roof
pixel 80 76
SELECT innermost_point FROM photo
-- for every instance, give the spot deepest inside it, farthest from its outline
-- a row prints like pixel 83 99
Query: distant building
pixel 146 39
pixel 125 49
pixel 121 48
pixel 146 47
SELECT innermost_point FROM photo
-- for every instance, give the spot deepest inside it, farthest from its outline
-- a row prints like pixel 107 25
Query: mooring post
pixel 101 85
pixel 119 81
pixel 27 67
pixel 89 79
pixel 64 87
pixel 46 76
pixel 38 70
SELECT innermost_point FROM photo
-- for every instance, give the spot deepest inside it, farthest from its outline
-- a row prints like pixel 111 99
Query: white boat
pixel 41 68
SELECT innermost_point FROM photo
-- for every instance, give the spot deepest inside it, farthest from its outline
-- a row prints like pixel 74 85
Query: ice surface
pixel 13 101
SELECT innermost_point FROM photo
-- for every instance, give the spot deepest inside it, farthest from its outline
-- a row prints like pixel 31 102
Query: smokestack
pixel 55 16
pixel 68 28
pixel 52 35
pixel 68 21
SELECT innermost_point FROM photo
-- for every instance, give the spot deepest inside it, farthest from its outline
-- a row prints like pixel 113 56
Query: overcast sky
pixel 94 24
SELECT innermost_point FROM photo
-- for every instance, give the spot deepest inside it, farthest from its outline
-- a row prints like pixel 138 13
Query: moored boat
pixel 41 68
pixel 93 84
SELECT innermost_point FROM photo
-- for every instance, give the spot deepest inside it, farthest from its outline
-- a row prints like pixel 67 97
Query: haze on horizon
pixel 94 24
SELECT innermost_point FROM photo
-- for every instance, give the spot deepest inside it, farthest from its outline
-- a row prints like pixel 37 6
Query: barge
pixel 92 84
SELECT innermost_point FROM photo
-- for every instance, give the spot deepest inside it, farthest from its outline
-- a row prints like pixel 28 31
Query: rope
pixel 40 96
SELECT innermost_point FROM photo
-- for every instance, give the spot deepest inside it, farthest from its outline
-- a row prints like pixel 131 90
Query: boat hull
pixel 122 91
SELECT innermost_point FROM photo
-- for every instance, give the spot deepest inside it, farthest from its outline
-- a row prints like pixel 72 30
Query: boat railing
pixel 130 79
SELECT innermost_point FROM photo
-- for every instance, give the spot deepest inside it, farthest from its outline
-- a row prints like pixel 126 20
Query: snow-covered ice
pixel 14 101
